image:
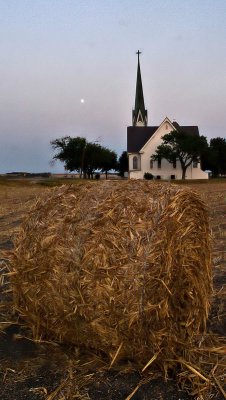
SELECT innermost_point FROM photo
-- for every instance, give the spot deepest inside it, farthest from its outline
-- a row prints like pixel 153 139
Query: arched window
pixel 135 162
pixel 151 164
pixel 195 164
pixel 159 163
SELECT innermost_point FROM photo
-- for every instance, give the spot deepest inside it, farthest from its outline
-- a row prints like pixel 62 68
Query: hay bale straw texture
pixel 119 267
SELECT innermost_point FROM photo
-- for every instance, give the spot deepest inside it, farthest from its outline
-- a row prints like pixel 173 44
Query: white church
pixel 143 140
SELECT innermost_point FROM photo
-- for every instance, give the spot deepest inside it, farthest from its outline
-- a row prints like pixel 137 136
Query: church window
pixel 151 164
pixel 159 162
pixel 175 164
pixel 195 164
pixel 135 162
pixel 166 127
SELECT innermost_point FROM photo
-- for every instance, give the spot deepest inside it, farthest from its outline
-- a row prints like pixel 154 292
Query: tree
pixel 92 157
pixel 179 145
pixel 78 154
pixel 123 163
pixel 108 160
pixel 214 158
pixel 70 151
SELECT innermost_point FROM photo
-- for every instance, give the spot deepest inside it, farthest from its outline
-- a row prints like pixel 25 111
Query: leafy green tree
pixel 70 151
pixel 92 157
pixel 78 154
pixel 179 145
pixel 108 160
pixel 123 163
pixel 214 158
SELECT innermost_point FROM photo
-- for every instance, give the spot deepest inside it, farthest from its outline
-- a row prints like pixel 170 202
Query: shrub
pixel 148 175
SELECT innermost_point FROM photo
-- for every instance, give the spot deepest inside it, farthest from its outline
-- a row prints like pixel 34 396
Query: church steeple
pixel 140 115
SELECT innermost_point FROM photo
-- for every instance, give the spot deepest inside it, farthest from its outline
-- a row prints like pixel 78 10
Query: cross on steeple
pixel 138 53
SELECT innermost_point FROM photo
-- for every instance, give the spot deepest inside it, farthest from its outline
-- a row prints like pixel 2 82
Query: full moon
pixel 82 101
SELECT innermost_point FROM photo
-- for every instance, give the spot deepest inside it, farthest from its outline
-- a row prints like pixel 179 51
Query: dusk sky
pixel 54 53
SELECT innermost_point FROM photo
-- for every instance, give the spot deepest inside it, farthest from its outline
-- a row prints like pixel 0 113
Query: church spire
pixel 140 116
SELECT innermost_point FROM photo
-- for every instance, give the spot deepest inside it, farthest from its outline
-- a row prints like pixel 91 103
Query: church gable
pixel 140 121
pixel 155 140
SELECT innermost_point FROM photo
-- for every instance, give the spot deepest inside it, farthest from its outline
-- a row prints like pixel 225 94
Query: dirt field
pixel 31 371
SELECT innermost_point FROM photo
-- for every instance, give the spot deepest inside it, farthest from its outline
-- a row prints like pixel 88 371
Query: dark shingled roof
pixel 137 136
pixel 190 130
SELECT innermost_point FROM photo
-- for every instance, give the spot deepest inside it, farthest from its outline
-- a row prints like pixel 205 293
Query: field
pixel 30 371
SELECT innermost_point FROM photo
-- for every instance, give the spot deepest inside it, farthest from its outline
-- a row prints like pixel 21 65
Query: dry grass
pixel 15 200
pixel 202 362
pixel 122 268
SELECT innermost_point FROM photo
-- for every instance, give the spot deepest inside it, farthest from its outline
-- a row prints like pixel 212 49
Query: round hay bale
pixel 120 267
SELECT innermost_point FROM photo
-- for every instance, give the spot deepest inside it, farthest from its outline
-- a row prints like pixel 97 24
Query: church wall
pixel 150 147
pixel 167 171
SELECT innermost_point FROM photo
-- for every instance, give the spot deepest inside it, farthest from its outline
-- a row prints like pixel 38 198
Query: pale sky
pixel 56 52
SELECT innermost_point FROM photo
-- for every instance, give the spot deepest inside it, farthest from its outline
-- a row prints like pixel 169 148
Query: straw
pixel 118 262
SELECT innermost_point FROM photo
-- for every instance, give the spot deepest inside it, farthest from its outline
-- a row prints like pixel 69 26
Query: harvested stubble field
pixel 32 371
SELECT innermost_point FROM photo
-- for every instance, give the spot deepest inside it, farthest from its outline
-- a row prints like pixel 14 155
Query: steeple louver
pixel 140 115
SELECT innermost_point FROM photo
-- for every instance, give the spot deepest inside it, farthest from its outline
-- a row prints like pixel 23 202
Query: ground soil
pixel 32 371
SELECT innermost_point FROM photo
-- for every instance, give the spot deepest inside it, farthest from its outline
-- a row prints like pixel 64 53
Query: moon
pixel 82 101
